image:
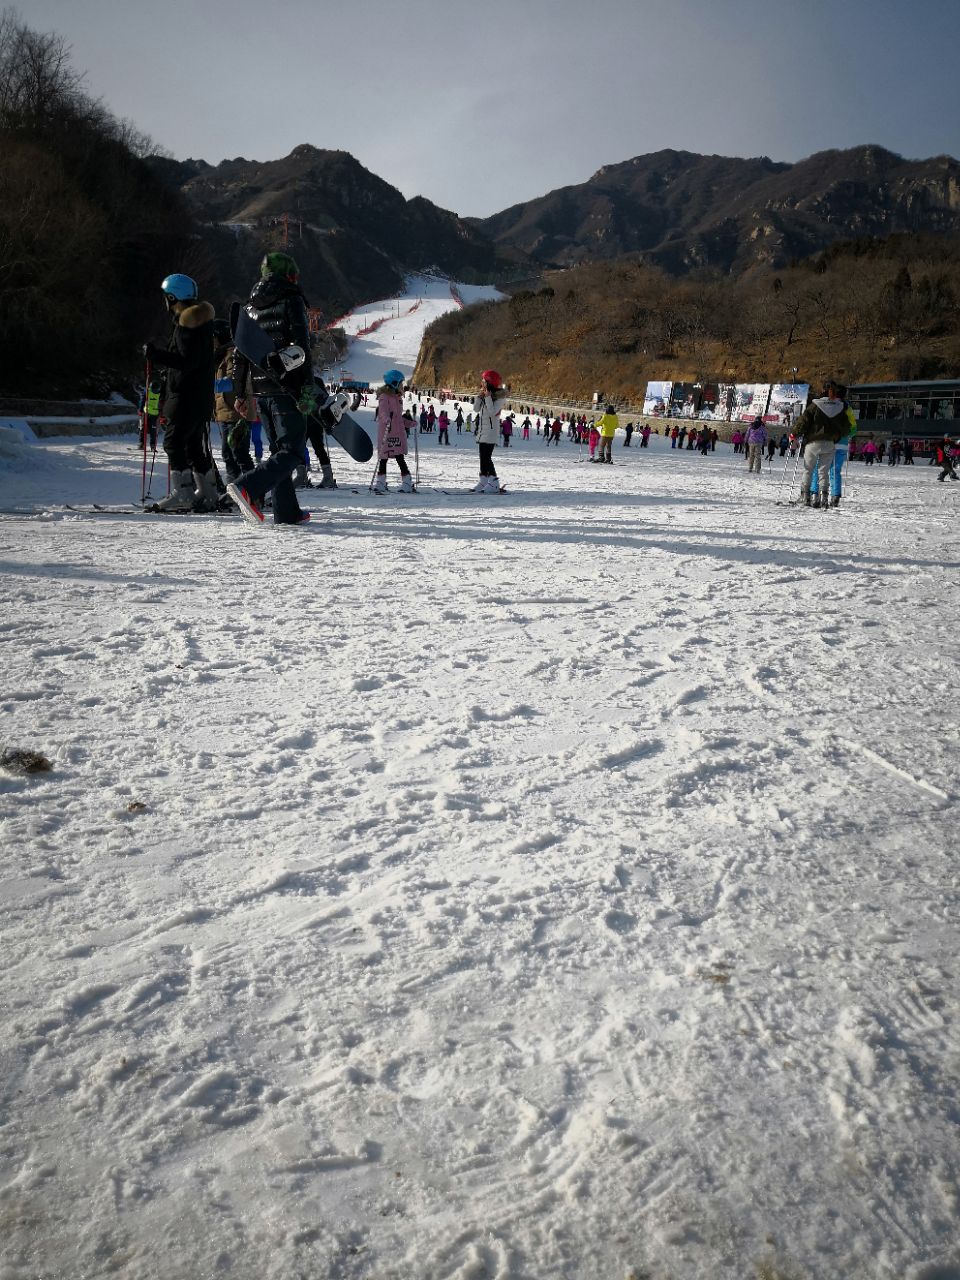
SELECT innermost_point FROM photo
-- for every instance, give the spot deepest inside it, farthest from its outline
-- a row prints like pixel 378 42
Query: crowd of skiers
pixel 200 375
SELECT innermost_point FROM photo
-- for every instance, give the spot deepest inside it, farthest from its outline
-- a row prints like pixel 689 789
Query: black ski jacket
pixel 189 363
pixel 280 309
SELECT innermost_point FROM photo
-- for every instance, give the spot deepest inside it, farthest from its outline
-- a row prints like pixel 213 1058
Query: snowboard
pixel 259 349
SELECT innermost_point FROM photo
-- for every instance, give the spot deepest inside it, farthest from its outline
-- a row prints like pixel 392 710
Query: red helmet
pixel 492 378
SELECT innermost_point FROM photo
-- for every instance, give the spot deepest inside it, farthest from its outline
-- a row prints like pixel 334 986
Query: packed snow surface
pixel 553 884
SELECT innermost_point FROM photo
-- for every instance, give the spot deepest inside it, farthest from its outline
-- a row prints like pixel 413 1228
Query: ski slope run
pixel 395 342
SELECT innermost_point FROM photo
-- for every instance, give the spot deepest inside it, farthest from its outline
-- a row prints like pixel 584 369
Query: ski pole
pixel 144 416
pixel 796 467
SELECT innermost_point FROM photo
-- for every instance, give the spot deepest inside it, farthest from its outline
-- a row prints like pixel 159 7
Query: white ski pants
pixel 818 456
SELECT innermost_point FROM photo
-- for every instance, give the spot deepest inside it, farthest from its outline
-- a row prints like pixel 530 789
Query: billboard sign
pixel 657 398
pixel 787 401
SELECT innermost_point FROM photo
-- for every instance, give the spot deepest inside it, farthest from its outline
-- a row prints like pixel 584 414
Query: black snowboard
pixel 260 350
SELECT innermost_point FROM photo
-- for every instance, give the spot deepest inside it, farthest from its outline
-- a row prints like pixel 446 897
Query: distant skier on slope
pixel 187 404
pixel 487 407
pixel 392 432
pixel 279 307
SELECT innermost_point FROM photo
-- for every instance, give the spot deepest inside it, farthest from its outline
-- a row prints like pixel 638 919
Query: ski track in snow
pixel 554 885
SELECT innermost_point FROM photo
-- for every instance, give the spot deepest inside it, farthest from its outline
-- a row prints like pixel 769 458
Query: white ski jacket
pixel 488 409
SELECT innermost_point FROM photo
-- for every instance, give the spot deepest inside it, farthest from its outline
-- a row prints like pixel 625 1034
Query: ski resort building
pixel 916 409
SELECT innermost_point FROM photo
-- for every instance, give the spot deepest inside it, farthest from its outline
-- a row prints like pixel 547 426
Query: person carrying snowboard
pixel 286 400
pixel 487 407
pixel 187 403
pixel 392 432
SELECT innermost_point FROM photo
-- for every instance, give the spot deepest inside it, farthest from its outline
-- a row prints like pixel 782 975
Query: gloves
pixel 307 404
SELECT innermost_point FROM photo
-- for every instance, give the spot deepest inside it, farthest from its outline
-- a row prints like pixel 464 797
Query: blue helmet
pixel 394 378
pixel 182 288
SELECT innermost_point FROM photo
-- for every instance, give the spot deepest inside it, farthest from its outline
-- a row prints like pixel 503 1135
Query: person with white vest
pixel 487 407
pixel 822 424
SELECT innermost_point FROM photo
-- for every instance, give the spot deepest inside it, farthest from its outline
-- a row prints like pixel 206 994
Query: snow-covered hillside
pixel 395 342
pixel 556 884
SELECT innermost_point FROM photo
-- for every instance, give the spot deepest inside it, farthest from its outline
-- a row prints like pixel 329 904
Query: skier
pixel 945 460
pixel 593 440
pixel 443 427
pixel 506 430
pixel 844 446
pixel 234 430
pixel 187 404
pixel 628 432
pixel 607 426
pixel 821 425
pixel 755 440
pixel 279 307
pixel 148 408
pixel 487 406
pixel 392 432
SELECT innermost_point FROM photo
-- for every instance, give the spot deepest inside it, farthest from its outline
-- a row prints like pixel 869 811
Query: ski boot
pixel 208 495
pixel 379 485
pixel 327 481
pixel 182 493
pixel 406 484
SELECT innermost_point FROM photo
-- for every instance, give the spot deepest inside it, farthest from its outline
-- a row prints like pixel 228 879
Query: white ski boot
pixel 182 493
pixel 380 484
pixel 493 484
pixel 406 484
pixel 208 495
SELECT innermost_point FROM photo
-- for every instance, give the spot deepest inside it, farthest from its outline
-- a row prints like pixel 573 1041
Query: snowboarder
pixel 286 402
pixel 392 432
pixel 487 406
pixel 187 403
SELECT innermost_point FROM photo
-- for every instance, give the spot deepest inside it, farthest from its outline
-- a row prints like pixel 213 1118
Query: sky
pixel 479 106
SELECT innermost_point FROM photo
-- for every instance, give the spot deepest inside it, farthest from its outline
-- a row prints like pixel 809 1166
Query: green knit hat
pixel 279 264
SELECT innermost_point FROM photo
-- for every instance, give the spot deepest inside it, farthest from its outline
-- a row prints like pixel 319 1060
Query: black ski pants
pixel 235 448
pixel 286 430
pixel 185 444
pixel 486 459
pixel 315 436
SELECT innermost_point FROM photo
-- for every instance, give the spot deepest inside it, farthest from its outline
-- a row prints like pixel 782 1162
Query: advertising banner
pixel 657 399
pixel 749 401
pixel 787 401
pixel 683 400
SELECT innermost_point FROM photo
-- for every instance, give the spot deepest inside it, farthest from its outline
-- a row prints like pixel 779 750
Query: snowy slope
pixel 396 343
pixel 551 885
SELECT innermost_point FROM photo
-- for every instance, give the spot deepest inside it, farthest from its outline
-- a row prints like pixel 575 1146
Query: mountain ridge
pixel 684 211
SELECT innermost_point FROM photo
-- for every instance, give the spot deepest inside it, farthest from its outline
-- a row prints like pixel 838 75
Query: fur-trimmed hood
pixel 195 315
